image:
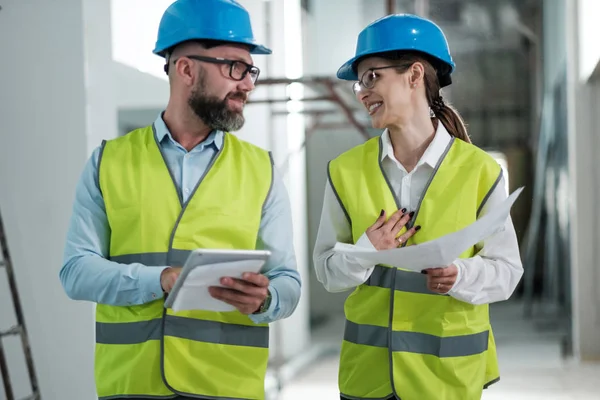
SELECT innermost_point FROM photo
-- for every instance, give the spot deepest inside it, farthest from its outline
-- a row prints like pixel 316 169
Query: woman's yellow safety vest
pixel 146 350
pixel 400 337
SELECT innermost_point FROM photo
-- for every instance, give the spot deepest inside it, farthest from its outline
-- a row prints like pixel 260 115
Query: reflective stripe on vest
pixel 145 350
pixel 185 328
pixel 401 338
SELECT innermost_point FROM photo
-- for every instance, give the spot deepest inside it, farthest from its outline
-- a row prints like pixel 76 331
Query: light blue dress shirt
pixel 86 273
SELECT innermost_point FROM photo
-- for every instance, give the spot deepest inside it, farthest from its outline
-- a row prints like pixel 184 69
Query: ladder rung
pixel 15 330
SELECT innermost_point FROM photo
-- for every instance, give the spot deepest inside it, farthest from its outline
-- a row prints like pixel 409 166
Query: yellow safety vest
pixel 400 337
pixel 146 350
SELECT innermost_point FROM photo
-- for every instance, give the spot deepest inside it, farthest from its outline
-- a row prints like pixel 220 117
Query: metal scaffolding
pixel 330 93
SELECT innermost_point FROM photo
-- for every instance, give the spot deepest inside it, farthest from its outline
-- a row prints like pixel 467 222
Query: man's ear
pixel 183 69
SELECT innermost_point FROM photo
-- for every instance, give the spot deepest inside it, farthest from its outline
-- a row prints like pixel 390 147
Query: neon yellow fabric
pixel 147 219
pixel 429 353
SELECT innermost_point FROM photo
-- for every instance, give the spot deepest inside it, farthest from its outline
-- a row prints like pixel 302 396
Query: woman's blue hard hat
pixel 402 32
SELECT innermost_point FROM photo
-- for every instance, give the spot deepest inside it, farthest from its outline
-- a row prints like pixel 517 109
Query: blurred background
pixel 75 72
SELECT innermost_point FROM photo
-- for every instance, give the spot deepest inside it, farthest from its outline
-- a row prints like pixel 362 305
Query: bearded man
pixel 148 198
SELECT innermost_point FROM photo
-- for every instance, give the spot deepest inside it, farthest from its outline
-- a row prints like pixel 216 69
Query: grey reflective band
pixel 172 258
pixel 489 193
pixel 185 328
pixel 136 396
pixel 415 342
pixel 406 281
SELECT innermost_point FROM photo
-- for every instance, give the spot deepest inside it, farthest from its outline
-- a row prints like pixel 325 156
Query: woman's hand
pixel 382 233
pixel 441 280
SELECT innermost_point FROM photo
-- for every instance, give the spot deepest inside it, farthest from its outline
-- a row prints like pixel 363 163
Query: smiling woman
pixel 401 62
pixel 407 335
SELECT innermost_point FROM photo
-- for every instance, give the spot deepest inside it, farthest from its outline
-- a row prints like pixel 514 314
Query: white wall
pixel 588 33
pixel 138 89
pixel 46 120
pixel 329 43
pixel 584 119
pixel 332 29
pixel 135 26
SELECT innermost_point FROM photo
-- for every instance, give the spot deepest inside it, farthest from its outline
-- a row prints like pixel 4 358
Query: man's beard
pixel 214 112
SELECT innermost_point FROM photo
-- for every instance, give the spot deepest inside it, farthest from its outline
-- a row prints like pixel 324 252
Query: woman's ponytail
pixel 451 119
pixel 443 112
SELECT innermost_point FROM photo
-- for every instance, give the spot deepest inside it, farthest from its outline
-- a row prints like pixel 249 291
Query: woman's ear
pixel 416 74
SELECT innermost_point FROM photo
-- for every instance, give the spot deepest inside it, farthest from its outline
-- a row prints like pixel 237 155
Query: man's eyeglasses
pixel 237 69
pixel 369 77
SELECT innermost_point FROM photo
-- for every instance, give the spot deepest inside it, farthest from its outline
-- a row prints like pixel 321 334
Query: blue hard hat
pixel 402 32
pixel 219 20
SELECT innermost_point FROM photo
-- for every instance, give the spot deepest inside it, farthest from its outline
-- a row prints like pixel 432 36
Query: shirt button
pixel 153 295
pixel 187 155
pixel 187 191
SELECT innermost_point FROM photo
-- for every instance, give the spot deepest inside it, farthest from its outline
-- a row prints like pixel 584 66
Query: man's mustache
pixel 237 96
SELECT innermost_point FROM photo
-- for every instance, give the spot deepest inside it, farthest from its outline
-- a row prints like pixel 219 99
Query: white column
pixel 283 135
pixel 584 145
pixel 333 27
pixel 52 111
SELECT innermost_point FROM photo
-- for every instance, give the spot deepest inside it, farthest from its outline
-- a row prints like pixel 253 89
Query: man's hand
pixel 247 294
pixel 441 280
pixel 168 277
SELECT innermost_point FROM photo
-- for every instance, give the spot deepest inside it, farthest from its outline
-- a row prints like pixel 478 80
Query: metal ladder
pixel 17 330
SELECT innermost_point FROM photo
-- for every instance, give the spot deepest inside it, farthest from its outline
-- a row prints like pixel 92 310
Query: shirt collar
pixel 162 131
pixel 433 153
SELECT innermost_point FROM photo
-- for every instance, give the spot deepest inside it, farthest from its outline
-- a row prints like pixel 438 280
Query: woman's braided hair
pixel 443 111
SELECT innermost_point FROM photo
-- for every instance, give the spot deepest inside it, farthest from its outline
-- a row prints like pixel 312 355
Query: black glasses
pixel 237 69
pixel 369 77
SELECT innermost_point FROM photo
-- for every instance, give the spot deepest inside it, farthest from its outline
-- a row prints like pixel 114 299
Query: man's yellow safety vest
pixel 147 350
pixel 400 337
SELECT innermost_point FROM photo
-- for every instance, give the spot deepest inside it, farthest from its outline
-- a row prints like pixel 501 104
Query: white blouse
pixel 491 275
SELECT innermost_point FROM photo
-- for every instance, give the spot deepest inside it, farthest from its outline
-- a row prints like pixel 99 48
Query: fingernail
pixel 424 272
pixel 418 227
pixel 381 213
pixel 403 210
pixel 411 214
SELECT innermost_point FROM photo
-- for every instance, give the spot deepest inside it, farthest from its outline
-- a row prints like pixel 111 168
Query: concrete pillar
pixel 277 23
pixel 584 144
pixel 53 109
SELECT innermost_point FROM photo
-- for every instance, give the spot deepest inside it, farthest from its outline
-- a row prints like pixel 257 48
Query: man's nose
pixel 246 84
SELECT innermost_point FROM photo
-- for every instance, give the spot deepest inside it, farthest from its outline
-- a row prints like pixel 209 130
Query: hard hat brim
pixel 348 72
pixel 254 48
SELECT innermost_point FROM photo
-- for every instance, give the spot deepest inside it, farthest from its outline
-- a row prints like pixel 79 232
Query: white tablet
pixel 200 257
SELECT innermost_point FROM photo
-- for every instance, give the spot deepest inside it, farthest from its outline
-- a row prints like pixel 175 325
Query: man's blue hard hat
pixel 219 20
pixel 402 32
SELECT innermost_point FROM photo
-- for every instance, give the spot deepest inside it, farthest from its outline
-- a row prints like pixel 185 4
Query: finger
pixel 243 286
pixel 402 222
pixel 408 234
pixel 439 287
pixel 171 279
pixel 258 279
pixel 438 272
pixel 389 225
pixel 246 306
pixel 231 296
pixel 378 222
pixel 443 280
